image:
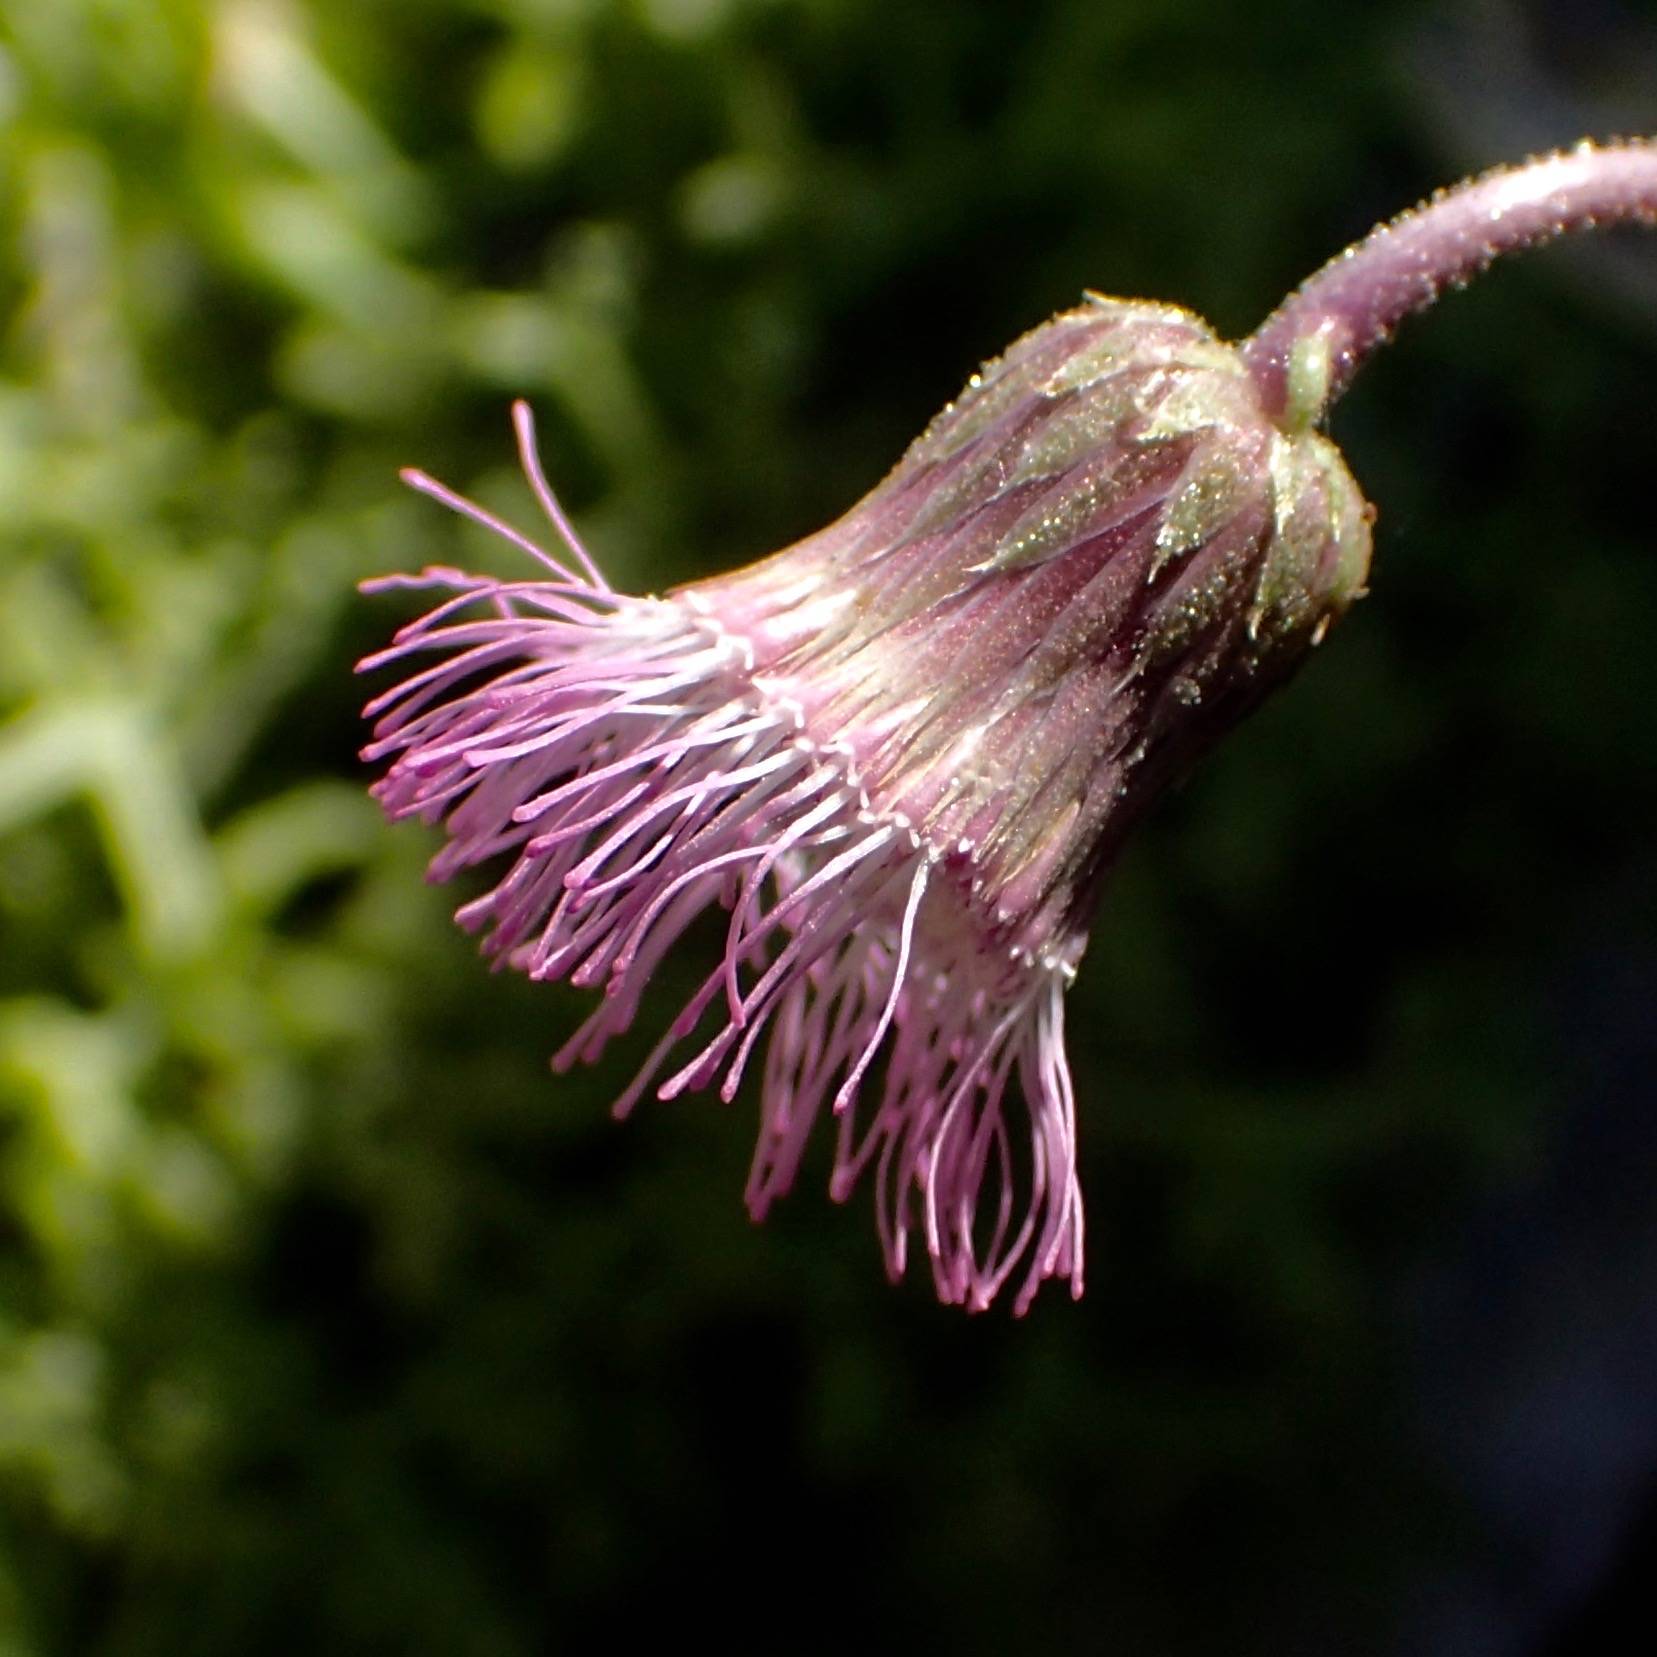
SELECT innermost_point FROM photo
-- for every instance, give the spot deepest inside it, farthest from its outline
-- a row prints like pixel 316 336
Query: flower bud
pixel 900 753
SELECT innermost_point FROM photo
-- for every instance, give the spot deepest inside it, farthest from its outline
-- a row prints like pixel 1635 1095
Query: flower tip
pixel 372 586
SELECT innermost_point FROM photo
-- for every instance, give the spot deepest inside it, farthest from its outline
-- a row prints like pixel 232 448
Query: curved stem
pixel 1303 356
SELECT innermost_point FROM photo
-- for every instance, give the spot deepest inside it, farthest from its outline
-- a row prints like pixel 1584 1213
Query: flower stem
pixel 1303 356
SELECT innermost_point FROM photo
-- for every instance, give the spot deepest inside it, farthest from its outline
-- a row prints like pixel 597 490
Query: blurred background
pixel 329 1319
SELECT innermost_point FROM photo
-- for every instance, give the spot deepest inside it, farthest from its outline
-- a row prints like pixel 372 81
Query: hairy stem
pixel 1303 356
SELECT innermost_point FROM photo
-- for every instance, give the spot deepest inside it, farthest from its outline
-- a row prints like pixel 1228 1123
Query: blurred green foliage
pixel 325 1315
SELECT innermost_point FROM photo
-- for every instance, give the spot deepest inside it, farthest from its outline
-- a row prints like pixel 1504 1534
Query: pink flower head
pixel 900 755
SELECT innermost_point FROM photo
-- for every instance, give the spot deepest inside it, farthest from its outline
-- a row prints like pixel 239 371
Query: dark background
pixel 329 1321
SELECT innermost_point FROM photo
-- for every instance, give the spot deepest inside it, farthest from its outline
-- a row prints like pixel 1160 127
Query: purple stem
pixel 1303 356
